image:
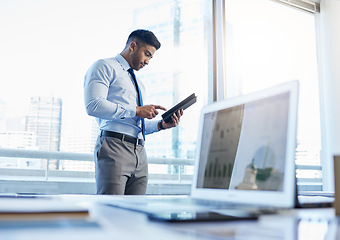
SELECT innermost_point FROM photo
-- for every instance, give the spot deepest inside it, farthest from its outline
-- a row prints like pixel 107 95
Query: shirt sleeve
pixel 96 87
pixel 151 126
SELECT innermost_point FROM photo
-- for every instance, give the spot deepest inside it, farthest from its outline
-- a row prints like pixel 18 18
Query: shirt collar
pixel 125 65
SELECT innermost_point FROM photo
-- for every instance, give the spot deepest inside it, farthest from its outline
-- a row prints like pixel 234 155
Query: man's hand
pixel 175 118
pixel 148 111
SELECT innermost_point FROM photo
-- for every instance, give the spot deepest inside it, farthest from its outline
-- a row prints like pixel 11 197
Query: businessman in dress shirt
pixel 114 95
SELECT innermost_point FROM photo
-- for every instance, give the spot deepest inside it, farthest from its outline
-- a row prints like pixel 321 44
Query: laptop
pixel 245 156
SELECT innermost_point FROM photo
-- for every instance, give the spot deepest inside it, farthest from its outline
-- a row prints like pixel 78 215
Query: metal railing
pixel 311 183
pixel 175 178
pixel 54 155
pixel 47 174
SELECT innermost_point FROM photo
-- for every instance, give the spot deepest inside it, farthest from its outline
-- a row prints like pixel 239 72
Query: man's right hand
pixel 148 111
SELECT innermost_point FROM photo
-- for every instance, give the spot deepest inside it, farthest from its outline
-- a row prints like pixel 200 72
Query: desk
pixel 105 222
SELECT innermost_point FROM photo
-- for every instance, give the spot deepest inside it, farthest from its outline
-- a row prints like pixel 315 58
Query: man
pixel 115 97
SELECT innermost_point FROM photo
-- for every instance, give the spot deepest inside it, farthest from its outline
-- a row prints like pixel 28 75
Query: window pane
pixel 269 43
pixel 179 68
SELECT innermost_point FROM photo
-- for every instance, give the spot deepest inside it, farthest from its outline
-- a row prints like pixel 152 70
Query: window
pixel 46 48
pixel 268 43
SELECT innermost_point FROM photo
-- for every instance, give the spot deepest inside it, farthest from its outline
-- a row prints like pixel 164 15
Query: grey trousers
pixel 120 167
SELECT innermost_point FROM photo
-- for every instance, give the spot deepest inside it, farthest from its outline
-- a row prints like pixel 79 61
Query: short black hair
pixel 145 37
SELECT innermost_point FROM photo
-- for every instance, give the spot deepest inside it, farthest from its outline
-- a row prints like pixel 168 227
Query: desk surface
pixel 106 222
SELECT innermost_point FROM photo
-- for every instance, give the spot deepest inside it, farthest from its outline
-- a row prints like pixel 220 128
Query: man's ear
pixel 133 46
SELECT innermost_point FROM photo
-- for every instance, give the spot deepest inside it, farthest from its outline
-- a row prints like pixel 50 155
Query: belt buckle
pixel 139 142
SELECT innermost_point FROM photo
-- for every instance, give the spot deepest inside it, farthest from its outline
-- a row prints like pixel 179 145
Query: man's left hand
pixel 175 118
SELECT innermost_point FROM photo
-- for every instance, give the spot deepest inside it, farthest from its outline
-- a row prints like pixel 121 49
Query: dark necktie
pixel 140 100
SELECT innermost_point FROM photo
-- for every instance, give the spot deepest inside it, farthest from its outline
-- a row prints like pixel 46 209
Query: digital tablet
pixel 182 105
pixel 201 216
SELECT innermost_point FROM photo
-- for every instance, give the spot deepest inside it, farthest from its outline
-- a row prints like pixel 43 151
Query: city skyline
pixel 76 124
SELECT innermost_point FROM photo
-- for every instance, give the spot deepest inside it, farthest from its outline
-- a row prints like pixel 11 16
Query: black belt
pixel 122 137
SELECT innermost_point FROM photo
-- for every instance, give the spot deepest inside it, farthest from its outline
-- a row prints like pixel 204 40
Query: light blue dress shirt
pixel 110 95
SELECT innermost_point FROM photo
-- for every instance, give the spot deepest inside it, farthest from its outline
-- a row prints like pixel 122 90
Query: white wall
pixel 328 35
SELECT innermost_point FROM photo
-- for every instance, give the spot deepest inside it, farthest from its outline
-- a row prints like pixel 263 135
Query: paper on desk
pixel 37 207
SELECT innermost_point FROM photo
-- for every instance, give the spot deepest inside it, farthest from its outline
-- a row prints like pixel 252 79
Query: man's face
pixel 141 55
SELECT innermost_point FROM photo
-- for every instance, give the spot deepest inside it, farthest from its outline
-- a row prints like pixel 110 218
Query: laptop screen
pixel 246 148
pixel 243 147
